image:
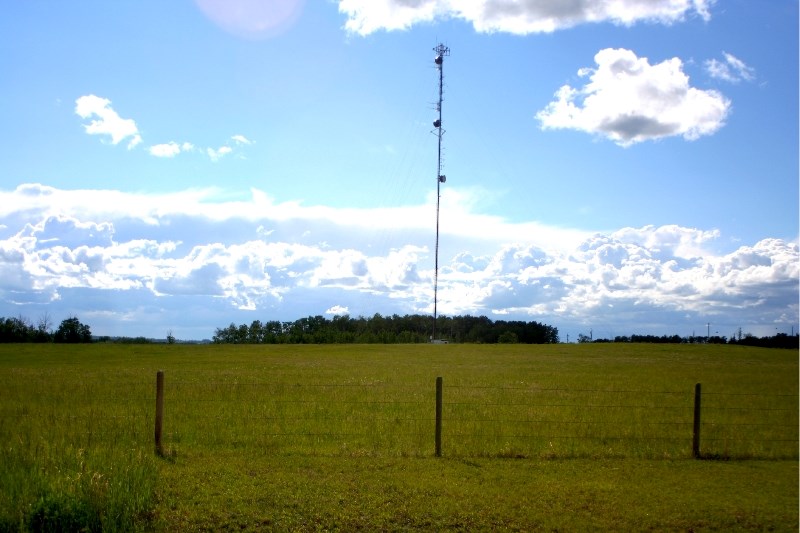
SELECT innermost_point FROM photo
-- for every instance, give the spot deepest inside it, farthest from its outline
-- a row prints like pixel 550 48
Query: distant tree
pixel 133 340
pixel 584 338
pixel 255 333
pixel 43 328
pixel 72 331
pixel 16 330
pixel 508 337
pixel 170 337
pixel 781 340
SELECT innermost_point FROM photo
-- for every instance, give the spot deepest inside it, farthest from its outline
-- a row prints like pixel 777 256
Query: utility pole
pixel 442 51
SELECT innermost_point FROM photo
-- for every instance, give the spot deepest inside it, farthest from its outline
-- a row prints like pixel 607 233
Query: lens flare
pixel 252 19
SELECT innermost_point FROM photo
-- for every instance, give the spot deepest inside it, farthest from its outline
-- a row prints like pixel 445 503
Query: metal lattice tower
pixel 442 51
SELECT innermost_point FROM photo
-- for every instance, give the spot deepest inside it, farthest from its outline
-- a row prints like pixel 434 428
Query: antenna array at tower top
pixel 441 51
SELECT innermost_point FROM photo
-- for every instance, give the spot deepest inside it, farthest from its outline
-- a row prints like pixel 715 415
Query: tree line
pixel 386 330
pixel 20 329
pixel 369 330
pixel 780 340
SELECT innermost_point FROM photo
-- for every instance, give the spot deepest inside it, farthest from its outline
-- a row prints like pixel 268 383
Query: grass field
pixel 567 437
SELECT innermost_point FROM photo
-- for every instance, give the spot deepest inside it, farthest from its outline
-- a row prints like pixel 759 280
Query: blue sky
pixel 622 166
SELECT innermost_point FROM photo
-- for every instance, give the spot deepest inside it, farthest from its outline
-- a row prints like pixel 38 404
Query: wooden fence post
pixel 696 431
pixel 438 417
pixel 159 410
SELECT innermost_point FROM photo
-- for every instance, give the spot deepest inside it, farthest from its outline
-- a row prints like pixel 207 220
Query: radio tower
pixel 441 52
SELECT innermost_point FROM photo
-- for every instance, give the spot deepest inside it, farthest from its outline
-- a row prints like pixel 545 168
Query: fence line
pixel 455 420
pixel 748 394
pixel 777 409
pixel 446 412
pixel 560 389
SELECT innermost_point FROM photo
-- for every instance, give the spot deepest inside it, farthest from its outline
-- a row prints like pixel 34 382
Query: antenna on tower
pixel 442 51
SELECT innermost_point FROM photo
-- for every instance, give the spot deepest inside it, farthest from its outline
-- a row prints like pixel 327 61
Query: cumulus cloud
pixel 106 121
pixel 158 253
pixel 241 139
pixel 515 16
pixel 628 100
pixel 732 69
pixel 170 149
pixel 217 154
pixel 628 274
pixel 69 232
pixel 337 310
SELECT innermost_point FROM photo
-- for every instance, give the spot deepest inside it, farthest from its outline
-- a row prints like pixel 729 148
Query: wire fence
pixel 556 422
pixel 411 419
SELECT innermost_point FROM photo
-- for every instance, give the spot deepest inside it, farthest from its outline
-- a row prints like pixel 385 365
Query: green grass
pixel 341 437
pixel 234 492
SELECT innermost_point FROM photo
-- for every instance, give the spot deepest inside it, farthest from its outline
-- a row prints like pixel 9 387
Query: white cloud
pixel 515 16
pixel 107 121
pixel 241 139
pixel 133 255
pixel 170 149
pixel 217 154
pixel 337 310
pixel 628 100
pixel 670 240
pixel 628 284
pixel 731 70
pixel 268 217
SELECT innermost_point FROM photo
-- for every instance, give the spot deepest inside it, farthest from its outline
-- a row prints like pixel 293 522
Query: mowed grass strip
pixel 254 434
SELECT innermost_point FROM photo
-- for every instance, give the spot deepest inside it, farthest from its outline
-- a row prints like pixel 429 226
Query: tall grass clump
pixel 74 447
pixel 69 489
